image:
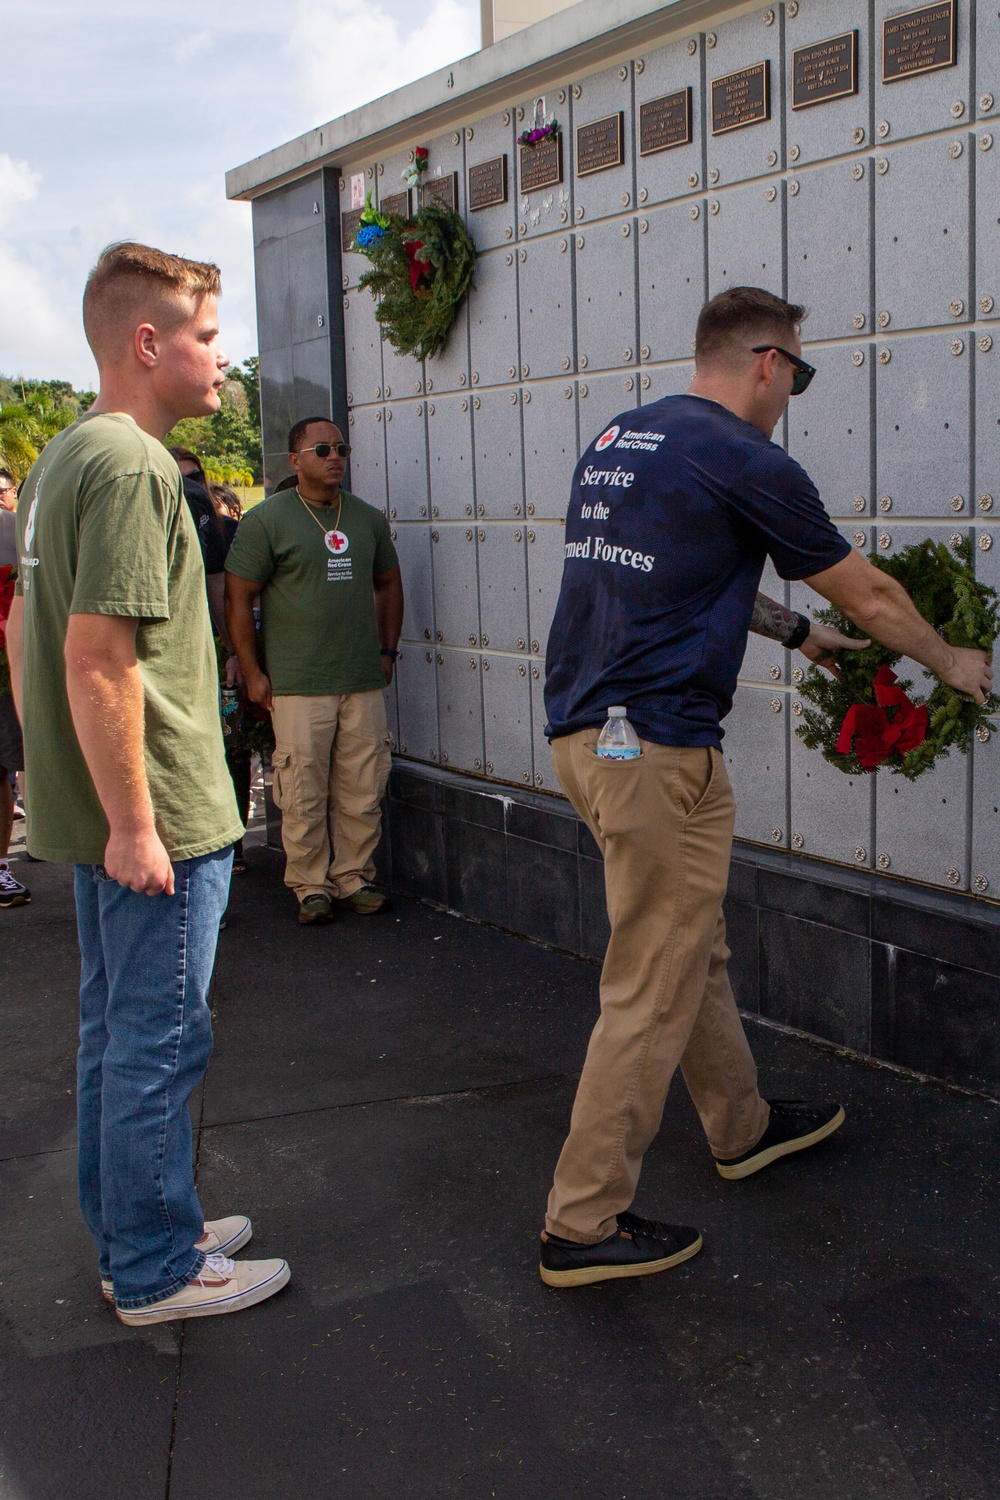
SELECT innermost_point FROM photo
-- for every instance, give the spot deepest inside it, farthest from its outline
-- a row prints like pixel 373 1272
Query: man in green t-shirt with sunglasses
pixel 331 602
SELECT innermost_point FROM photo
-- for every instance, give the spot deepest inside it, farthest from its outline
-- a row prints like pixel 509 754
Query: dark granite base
pixel 904 973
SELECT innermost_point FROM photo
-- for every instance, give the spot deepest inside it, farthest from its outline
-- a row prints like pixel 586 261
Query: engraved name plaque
pixel 488 183
pixel 348 229
pixel 396 203
pixel 918 41
pixel 741 99
pixel 541 166
pixel 600 145
pixel 443 189
pixel 825 70
pixel 665 122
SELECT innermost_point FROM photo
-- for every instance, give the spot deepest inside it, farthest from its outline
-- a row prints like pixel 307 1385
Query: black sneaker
pixel 794 1125
pixel 641 1247
pixel 12 892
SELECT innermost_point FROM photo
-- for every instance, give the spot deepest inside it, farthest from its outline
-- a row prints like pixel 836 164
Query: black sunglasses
pixel 323 450
pixel 803 372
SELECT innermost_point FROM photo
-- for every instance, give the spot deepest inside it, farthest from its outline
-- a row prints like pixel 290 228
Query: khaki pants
pixel 331 764
pixel 664 823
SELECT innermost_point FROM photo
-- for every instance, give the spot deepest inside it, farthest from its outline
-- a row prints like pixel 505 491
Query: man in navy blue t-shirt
pixel 674 509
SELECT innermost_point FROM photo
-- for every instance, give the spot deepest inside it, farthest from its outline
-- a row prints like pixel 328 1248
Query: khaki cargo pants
pixel 664 823
pixel 331 764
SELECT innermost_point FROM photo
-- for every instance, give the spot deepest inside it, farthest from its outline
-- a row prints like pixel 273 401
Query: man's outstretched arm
pixel 879 605
pixel 106 701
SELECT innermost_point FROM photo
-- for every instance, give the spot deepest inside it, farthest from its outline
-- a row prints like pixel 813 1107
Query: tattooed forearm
pixel 773 620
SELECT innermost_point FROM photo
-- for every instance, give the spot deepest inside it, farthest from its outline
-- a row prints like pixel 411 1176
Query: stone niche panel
pixel 668 134
pixel 987 287
pixel 507 718
pixel 672 280
pixel 748 150
pixel 830 427
pixel 363 348
pixel 834 44
pixel 601 154
pixel 416 698
pixel 922 102
pixel 746 239
pixel 922 247
pixel 550 449
pixel 545 299
pixel 922 395
pixel 756 752
pixel 353 264
pixel 491 140
pixel 496 419
pixel 830 248
pixel 493 338
pixel 605 295
pixel 544 209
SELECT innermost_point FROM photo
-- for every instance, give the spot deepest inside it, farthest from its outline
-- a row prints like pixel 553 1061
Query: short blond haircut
pixel 133 284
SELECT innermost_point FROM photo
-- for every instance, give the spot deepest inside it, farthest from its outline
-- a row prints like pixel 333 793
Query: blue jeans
pixel 145 1041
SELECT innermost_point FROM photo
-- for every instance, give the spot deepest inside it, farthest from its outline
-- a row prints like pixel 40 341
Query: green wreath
pixel 945 590
pixel 421 269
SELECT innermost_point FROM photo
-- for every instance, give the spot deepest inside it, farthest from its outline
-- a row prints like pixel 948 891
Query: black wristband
pixel 800 632
pixel 388 651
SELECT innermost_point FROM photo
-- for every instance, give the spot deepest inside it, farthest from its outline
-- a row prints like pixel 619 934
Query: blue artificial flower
pixel 370 235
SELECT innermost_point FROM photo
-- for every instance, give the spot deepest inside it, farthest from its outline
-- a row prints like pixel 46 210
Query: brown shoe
pixel 315 909
pixel 366 901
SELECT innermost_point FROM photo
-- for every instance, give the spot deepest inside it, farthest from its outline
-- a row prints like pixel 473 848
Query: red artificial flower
pixel 418 268
pixel 421 153
pixel 874 736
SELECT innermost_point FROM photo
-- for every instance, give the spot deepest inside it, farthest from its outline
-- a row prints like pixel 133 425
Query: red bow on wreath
pixel 873 734
pixel 6 600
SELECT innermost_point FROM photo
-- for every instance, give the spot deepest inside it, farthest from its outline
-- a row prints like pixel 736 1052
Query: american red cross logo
pixel 606 439
pixel 337 542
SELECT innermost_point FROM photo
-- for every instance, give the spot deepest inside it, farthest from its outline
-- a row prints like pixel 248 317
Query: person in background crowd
pixel 116 678
pixel 328 577
pixel 12 891
pixel 227 504
pixel 211 535
pixel 658 592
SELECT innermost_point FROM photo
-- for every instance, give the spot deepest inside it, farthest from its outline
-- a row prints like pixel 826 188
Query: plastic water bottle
pixel 618 740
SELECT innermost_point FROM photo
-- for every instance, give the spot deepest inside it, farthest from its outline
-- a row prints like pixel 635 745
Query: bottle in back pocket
pixel 618 740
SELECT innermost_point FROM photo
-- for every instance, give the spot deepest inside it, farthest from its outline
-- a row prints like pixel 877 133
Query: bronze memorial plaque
pixel 396 203
pixel 541 166
pixel 600 145
pixel 488 183
pixel 825 70
pixel 665 122
pixel 742 98
pixel 349 222
pixel 442 189
pixel 918 41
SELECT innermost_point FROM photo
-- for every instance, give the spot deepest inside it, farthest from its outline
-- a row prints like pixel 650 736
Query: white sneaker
pixel 221 1237
pixel 221 1286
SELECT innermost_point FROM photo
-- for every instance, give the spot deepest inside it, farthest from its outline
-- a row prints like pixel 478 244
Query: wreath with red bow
pixel 421 270
pixel 865 718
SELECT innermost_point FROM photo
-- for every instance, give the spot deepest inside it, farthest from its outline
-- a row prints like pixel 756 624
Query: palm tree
pixel 25 428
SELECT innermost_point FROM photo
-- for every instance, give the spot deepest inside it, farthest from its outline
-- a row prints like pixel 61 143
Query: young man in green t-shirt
pixel 331 602
pixel 114 671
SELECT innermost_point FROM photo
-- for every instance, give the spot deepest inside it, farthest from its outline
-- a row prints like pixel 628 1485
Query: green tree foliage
pixel 32 412
pixel 228 443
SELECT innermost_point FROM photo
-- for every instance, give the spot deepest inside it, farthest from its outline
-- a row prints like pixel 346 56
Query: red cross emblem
pixel 337 542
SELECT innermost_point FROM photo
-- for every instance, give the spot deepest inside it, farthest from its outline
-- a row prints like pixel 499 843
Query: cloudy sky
pixel 119 119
